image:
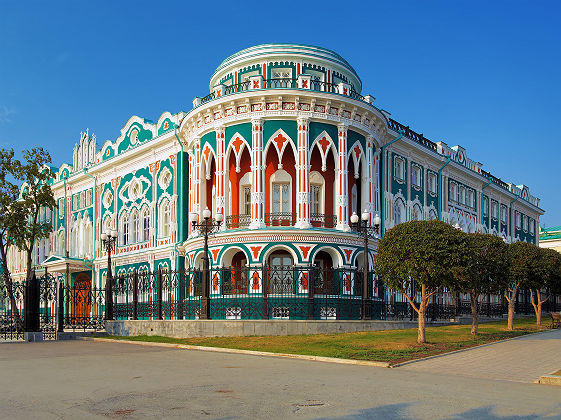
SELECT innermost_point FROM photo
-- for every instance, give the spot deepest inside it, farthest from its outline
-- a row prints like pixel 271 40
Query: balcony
pixel 288 83
pixel 320 220
pixel 238 221
pixel 280 219
pixel 317 220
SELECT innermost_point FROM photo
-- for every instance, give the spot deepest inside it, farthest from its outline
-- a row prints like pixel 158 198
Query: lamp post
pixel 363 227
pixel 109 240
pixel 206 227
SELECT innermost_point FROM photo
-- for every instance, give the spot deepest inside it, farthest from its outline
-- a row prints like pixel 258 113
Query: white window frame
pixel 416 175
pixel 431 183
pixel 317 181
pixel 125 229
pixel 494 210
pixel 281 177
pixel 399 168
pixel 135 226
pixel 165 218
pixel 145 224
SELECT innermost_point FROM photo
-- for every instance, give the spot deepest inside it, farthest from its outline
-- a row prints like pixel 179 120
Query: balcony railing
pixel 236 221
pixel 280 219
pixel 323 220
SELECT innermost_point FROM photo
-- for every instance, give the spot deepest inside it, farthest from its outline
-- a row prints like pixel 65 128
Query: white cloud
pixel 6 114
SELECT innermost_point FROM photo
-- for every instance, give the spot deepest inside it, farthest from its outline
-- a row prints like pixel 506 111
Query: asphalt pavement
pixel 95 380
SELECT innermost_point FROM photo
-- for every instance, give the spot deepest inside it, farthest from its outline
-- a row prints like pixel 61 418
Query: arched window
pixel 165 218
pixel 399 215
pixel 432 215
pixel 135 227
pixel 317 184
pixel 417 214
pixel 354 199
pixel 281 192
pixel 125 229
pixel 145 224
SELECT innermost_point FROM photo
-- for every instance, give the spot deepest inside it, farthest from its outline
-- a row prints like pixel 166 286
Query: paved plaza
pixel 523 359
pixel 84 379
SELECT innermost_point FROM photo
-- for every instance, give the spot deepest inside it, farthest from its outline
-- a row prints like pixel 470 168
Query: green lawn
pixel 388 346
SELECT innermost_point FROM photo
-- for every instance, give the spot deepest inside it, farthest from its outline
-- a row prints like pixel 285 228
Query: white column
pixel 220 173
pixel 303 176
pixel 197 179
pixel 342 182
pixel 257 176
pixel 370 174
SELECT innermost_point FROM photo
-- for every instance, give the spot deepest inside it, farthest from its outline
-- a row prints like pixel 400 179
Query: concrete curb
pixel 550 380
pixel 247 352
pixel 462 350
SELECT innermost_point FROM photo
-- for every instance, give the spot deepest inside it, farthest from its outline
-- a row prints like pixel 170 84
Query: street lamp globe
pixel 354 218
pixel 193 217
pixel 365 215
pixel 377 220
pixel 206 213
pixel 113 233
pixel 104 236
pixel 219 217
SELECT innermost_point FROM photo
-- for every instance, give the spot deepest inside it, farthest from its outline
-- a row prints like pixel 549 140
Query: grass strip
pixel 393 346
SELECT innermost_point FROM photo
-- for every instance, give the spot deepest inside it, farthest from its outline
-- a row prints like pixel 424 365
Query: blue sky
pixel 484 75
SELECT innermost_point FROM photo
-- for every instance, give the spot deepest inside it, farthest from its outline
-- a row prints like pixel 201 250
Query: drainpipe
pixel 180 209
pixel 94 222
pixel 65 219
pixel 510 220
pixel 439 201
pixel 382 184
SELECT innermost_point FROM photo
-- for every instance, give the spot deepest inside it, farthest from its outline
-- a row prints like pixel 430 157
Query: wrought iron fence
pixel 323 220
pixel 236 221
pixel 280 219
pixel 249 292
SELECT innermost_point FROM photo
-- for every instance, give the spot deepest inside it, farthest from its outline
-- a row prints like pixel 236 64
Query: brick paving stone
pixel 523 359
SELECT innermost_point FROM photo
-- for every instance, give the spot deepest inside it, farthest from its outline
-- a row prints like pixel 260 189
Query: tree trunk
pixel 474 312
pixel 421 339
pixel 511 302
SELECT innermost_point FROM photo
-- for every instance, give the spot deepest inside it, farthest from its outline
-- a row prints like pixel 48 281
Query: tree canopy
pixel 422 256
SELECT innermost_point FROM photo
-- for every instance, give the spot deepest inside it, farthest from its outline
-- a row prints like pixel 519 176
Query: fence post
pixel 135 295
pixel 31 320
pixel 60 309
pixel 180 295
pixel 311 282
pixel 265 282
pixel 159 291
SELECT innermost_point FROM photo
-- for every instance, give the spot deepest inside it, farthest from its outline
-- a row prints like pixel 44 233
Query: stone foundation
pixel 222 328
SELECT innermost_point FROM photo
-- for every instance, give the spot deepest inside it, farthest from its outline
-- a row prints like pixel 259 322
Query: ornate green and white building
pixel 286 147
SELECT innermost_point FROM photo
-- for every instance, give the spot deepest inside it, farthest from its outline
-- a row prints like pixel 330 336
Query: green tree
pixel 484 270
pixel 422 256
pixel 10 216
pixel 35 194
pixel 544 279
pixel 522 259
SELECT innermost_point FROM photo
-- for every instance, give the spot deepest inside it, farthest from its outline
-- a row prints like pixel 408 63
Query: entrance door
pixel 280 278
pixel 82 298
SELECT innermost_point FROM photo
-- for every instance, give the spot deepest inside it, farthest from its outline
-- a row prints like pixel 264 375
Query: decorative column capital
pixel 343 127
pixel 303 123
pixel 257 122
